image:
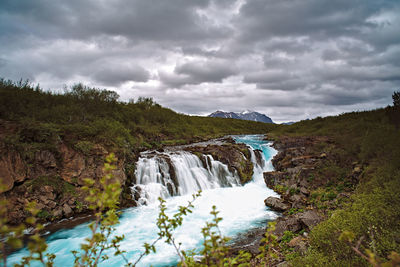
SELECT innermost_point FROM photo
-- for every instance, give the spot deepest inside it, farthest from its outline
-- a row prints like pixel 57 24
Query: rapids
pixel 242 207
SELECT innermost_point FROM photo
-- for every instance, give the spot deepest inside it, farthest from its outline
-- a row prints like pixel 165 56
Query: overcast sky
pixel 289 59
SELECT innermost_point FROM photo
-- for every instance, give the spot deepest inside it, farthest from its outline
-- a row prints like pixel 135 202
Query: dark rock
pixel 273 178
pixel 290 223
pixel 259 158
pixel 248 241
pixel 309 218
pixel 276 204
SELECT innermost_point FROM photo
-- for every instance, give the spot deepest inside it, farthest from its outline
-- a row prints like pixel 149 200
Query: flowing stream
pixel 242 207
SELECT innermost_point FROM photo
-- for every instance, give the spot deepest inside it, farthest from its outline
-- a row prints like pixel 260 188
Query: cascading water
pixel 185 174
pixel 242 207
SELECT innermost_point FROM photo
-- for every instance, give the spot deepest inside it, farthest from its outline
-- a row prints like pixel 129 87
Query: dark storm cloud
pixel 322 19
pixel 291 59
pixel 198 72
pixel 111 75
pixel 144 20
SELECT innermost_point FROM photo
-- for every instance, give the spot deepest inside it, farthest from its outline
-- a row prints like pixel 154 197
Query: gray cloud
pixel 112 75
pixel 291 59
pixel 316 18
pixel 142 20
pixel 197 72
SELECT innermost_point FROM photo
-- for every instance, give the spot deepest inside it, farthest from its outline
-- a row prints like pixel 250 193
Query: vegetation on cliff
pixel 365 144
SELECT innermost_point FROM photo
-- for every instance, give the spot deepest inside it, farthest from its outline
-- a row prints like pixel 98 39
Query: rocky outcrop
pixel 53 179
pixel 76 166
pixel 236 156
pixel 12 170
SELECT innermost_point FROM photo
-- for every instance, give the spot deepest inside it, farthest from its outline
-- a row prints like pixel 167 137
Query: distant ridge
pixel 248 115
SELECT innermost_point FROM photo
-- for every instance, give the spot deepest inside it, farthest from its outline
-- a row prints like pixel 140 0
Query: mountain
pixel 288 123
pixel 225 115
pixel 248 115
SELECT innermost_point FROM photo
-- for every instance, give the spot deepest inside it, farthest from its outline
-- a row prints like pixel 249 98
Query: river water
pixel 241 207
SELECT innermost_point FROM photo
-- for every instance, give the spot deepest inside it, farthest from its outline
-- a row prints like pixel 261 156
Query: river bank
pixel 312 182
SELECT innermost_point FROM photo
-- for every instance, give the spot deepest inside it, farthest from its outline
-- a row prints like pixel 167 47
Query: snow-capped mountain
pixel 245 115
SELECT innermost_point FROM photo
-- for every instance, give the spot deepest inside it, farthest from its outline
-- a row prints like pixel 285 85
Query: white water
pixel 242 207
pixel 154 179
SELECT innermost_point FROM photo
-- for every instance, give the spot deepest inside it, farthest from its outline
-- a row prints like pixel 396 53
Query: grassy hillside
pixel 83 116
pixel 370 139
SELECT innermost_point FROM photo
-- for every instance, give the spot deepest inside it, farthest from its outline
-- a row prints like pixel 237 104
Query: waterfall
pixel 170 174
pixel 175 174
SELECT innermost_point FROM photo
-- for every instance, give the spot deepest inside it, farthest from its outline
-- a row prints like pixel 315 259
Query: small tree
pixel 396 99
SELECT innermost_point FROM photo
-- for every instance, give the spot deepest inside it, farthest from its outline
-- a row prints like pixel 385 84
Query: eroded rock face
pixel 53 180
pixel 76 166
pixel 12 170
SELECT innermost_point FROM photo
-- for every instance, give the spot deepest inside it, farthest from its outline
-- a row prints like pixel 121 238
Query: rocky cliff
pixel 51 176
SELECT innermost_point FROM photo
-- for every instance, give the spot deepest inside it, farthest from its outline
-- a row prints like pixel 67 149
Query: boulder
pixel 309 218
pixel 276 204
pixel 290 223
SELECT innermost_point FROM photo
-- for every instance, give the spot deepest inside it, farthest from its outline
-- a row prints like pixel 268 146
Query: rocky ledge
pixel 236 156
